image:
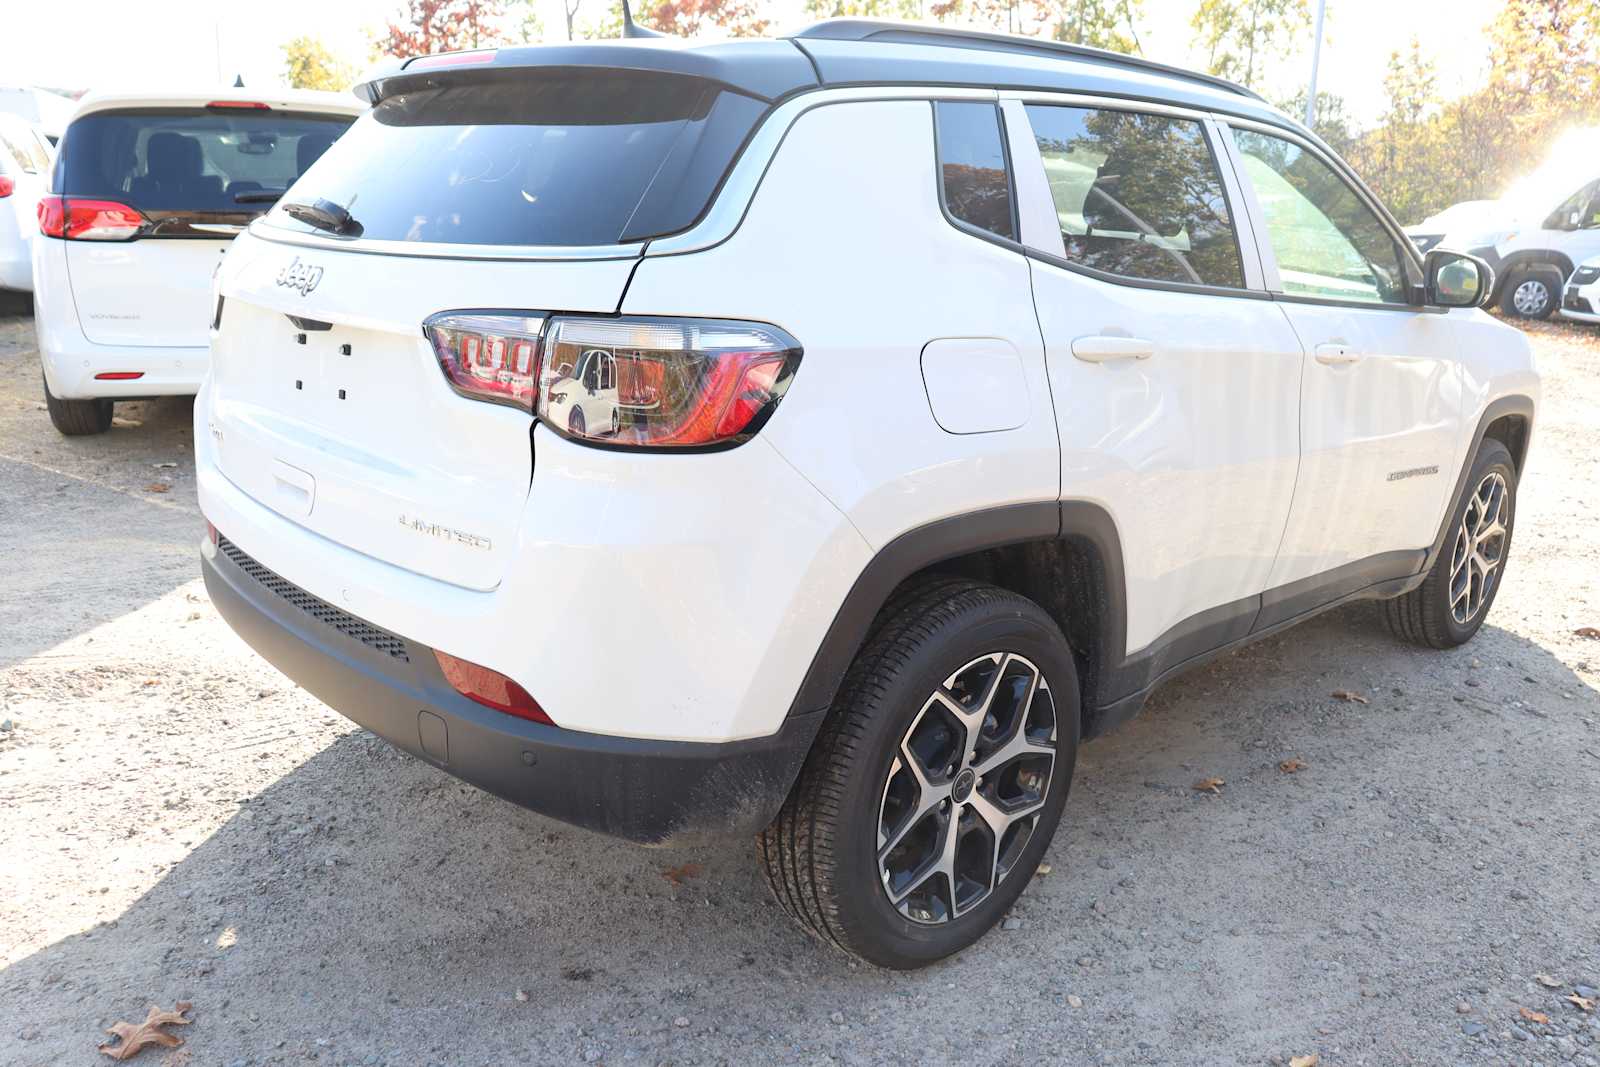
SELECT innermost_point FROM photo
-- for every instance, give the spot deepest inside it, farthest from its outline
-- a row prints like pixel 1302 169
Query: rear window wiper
pixel 263 196
pixel 324 215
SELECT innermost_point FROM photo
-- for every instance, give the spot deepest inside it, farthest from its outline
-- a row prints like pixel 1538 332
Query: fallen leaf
pixel 1209 785
pixel 1532 1016
pixel 1348 697
pixel 1305 1061
pixel 156 487
pixel 1581 1003
pixel 1044 868
pixel 138 1036
pixel 1589 632
pixel 677 875
pixel 1292 764
pixel 152 681
pixel 1547 981
pixel 1074 1001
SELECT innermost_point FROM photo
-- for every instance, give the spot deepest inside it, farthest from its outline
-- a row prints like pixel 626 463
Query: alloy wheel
pixel 966 787
pixel 1480 548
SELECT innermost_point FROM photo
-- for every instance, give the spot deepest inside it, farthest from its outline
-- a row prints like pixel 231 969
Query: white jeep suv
pixel 966 388
pixel 146 192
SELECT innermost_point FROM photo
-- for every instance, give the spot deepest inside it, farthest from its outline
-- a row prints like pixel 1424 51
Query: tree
pixel 1237 35
pixel 865 9
pixel 1099 23
pixel 308 64
pixel 688 18
pixel 430 26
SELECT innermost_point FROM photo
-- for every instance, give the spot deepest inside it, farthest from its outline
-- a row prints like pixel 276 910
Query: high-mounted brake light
pixel 451 59
pixel 662 383
pixel 88 220
pixel 490 688
pixel 255 105
pixel 7 187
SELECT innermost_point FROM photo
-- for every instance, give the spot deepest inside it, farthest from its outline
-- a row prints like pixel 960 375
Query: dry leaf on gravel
pixel 1348 697
pixel 1305 1061
pixel 1529 1015
pixel 1293 764
pixel 1209 785
pixel 156 487
pixel 1548 981
pixel 1589 632
pixel 1581 1003
pixel 677 875
pixel 138 1036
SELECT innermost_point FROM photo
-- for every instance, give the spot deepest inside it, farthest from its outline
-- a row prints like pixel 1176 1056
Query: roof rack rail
pixel 853 29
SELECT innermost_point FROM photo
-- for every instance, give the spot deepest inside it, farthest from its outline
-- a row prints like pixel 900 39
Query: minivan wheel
pixel 937 781
pixel 575 423
pixel 1531 296
pixel 77 418
pixel 1451 603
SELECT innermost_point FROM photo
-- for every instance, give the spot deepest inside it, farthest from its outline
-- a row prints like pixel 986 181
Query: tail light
pixel 490 688
pixel 487 356
pixel 662 383
pixel 7 187
pixel 653 383
pixel 88 220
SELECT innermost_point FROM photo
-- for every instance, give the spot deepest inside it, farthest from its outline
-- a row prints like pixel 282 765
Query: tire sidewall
pixel 895 940
pixel 1492 456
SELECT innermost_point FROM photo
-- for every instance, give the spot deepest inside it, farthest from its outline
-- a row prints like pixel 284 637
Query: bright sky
pixel 106 44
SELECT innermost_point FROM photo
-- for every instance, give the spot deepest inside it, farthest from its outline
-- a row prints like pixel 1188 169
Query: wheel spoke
pixel 1019 744
pixel 927 800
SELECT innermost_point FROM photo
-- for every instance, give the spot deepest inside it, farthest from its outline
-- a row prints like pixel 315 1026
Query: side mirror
pixel 1456 280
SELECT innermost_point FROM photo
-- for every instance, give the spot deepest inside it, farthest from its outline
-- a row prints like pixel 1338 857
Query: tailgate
pixel 352 431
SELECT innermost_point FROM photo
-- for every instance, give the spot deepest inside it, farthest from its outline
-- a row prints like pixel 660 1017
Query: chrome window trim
pixel 328 242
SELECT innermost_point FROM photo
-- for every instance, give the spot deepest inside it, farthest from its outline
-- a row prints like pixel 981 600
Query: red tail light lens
pixel 88 220
pixel 488 357
pixel 662 383
pixel 490 688
pixel 7 187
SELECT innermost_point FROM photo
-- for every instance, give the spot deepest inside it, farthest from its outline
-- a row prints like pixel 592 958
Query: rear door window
pixel 972 166
pixel 1138 195
pixel 524 157
pixel 177 164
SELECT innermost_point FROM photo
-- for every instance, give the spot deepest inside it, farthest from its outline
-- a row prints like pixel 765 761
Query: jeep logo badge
pixel 300 276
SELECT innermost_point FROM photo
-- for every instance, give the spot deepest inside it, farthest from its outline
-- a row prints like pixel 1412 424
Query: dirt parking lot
pixel 178 822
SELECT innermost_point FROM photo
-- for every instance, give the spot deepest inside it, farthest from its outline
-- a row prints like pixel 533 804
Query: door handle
pixel 1106 349
pixel 1334 353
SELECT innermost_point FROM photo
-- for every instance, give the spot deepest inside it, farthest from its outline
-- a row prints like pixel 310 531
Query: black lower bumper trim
pixel 652 792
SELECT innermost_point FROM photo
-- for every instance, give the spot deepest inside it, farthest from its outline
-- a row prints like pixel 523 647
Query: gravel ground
pixel 178 822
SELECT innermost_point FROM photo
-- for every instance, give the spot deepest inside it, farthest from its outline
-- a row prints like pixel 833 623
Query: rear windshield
pixel 219 161
pixel 533 158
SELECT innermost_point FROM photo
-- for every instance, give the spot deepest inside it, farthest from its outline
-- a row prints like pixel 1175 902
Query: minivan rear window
pixel 520 157
pixel 193 161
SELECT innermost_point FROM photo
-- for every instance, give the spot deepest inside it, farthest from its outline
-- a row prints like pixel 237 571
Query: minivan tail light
pixel 88 220
pixel 662 383
pixel 485 356
pixel 7 187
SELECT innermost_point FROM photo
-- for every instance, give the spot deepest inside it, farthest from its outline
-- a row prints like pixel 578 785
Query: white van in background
pixel 24 169
pixel 147 192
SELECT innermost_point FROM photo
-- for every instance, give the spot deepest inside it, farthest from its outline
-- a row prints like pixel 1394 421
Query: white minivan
pixel 147 191
pixel 24 166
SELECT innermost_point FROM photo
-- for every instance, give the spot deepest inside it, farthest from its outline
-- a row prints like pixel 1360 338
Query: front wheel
pixel 1532 296
pixel 1452 602
pixel 938 779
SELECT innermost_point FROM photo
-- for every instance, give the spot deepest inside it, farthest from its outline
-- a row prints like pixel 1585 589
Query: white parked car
pixel 1581 300
pixel 967 389
pixel 24 169
pixel 147 192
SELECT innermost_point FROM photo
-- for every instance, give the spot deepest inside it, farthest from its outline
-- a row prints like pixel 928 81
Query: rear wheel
pixel 77 418
pixel 1451 603
pixel 575 423
pixel 938 779
pixel 1533 295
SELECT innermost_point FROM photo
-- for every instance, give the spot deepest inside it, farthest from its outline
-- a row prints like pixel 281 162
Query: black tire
pixel 1546 281
pixel 77 418
pixel 821 853
pixel 575 423
pixel 1425 615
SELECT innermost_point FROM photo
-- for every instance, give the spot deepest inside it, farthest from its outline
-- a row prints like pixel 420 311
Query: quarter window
pixel 1327 241
pixel 1138 195
pixel 972 167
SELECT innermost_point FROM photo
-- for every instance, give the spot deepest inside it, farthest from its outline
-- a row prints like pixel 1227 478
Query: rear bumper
pixel 651 792
pixel 16 266
pixel 71 367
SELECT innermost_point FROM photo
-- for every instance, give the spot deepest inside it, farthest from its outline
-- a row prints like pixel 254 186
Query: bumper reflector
pixel 490 688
